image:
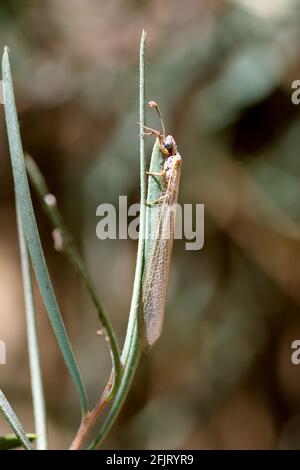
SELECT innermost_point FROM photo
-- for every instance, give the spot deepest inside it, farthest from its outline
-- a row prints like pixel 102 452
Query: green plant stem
pixel 33 346
pixel 75 259
pixel 11 441
pixel 132 349
pixel 134 353
pixel 12 419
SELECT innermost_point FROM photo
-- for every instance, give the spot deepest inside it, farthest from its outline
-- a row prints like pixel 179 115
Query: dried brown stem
pixel 91 417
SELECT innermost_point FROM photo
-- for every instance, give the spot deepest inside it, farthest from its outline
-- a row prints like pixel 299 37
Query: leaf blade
pixel 132 345
pixel 31 231
pixel 14 422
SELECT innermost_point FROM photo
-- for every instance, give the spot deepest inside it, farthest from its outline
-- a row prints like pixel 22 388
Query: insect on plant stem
pixel 160 220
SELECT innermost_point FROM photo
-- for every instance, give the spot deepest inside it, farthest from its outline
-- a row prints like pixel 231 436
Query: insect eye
pixel 169 142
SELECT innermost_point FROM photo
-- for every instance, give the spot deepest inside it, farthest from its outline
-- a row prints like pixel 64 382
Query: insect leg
pixel 157 201
pixel 159 136
pixel 156 173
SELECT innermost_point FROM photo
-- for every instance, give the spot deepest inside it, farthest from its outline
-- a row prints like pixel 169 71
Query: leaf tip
pixel 6 51
pixel 5 60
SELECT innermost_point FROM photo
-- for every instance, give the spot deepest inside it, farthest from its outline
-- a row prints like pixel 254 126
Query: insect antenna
pixel 153 104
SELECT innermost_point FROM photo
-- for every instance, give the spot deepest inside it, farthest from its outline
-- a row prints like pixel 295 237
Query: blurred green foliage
pixel 220 376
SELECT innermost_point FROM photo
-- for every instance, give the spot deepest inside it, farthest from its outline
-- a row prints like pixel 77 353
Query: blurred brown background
pixel 221 375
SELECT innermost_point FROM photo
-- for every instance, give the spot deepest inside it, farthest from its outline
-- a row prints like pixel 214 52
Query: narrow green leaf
pixel 137 285
pixel 31 231
pixel 33 344
pixel 12 419
pixel 132 350
pixel 11 441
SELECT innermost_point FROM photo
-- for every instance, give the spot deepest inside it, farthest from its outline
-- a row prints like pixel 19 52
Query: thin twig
pixel 70 249
pixel 66 244
pixel 91 418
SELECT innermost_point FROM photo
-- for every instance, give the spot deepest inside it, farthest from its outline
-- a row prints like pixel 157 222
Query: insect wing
pixel 156 274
